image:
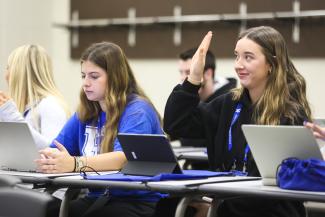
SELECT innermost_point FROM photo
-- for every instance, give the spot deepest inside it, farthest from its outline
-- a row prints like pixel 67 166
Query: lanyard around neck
pixel 233 121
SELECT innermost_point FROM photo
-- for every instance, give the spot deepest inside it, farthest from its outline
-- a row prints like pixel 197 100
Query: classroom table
pixel 183 188
pixel 192 155
pixel 221 187
pixel 73 181
pixel 187 188
pixel 255 189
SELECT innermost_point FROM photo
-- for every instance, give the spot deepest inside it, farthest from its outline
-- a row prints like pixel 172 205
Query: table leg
pixel 69 194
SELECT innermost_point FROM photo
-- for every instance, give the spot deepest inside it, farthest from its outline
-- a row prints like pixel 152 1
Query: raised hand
pixel 198 60
pixel 55 160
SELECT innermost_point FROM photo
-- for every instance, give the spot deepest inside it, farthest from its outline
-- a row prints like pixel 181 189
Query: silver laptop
pixel 17 147
pixel 270 145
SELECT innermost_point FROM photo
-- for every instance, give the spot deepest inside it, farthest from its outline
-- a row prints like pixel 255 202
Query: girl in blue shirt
pixel 111 102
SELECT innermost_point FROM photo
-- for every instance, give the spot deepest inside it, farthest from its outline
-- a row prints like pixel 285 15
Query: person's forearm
pixel 181 112
pixel 195 79
pixel 105 162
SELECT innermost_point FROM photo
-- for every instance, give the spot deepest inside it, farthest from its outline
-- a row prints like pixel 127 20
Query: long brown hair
pixel 285 91
pixel 120 84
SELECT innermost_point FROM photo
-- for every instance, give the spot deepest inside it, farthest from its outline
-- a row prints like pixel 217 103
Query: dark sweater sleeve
pixel 182 117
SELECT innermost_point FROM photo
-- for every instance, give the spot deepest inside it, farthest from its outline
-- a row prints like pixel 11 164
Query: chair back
pixel 19 202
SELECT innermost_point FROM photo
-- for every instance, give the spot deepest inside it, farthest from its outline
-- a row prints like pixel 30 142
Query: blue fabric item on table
pixel 296 174
pixel 187 174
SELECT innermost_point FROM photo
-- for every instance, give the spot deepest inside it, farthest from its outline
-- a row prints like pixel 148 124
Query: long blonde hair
pixel 31 78
pixel 120 84
pixel 285 91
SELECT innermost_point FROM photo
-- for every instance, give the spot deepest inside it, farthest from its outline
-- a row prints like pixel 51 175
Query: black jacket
pixel 186 117
pixel 232 83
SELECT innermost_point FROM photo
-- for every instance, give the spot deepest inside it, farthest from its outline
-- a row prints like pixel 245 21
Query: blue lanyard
pixel 246 152
pixel 233 121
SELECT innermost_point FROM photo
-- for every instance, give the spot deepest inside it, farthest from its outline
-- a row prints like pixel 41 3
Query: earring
pixel 269 72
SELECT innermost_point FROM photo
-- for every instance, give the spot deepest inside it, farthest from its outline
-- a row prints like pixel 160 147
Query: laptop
pixel 17 147
pixel 270 145
pixel 148 154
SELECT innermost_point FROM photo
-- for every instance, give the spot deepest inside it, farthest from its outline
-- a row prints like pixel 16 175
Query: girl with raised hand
pixel 272 92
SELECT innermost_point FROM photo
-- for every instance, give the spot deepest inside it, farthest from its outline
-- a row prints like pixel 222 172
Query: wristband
pixel 195 82
pixel 79 164
pixel 75 164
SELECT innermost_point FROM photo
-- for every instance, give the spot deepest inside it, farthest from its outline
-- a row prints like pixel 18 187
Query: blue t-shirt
pixel 82 138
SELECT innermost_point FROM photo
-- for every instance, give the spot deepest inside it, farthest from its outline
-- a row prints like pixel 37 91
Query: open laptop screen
pixel 148 154
pixel 17 147
pixel 270 145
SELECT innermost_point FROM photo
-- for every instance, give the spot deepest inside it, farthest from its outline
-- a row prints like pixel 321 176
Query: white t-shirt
pixel 51 117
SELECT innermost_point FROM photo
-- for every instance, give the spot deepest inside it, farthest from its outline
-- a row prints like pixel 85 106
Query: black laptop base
pixel 150 168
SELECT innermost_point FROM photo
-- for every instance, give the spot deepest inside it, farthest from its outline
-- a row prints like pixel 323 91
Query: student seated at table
pixel 33 96
pixel 111 102
pixel 272 92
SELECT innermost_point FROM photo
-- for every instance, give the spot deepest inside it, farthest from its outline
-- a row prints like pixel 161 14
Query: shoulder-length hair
pixel 285 91
pixel 120 84
pixel 31 78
